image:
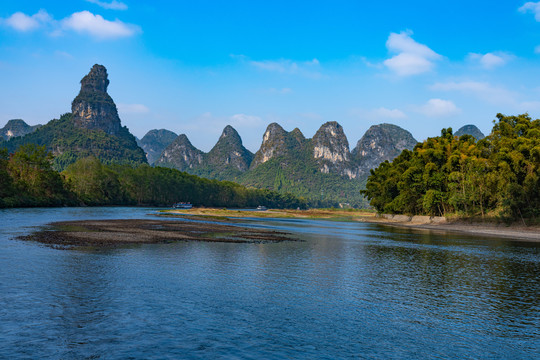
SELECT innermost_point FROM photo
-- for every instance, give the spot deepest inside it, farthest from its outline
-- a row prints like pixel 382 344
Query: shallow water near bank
pixel 350 290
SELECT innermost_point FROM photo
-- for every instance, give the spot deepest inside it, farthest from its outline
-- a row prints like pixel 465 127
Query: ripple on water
pixel 348 290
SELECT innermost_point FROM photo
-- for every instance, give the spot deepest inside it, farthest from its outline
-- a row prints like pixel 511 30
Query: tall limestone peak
pixel 381 142
pixel 470 130
pixel 277 142
pixel 93 108
pixel 331 150
pixel 154 142
pixel 229 151
pixel 330 143
pixel 15 128
pixel 180 154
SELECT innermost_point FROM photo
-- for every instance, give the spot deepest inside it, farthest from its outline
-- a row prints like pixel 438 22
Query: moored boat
pixel 182 205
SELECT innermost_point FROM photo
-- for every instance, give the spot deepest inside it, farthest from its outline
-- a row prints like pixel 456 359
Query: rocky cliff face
pixel 331 150
pixel 229 151
pixel 93 108
pixel 181 155
pixel 15 128
pixel 470 130
pixel 381 142
pixel 154 142
pixel 92 129
pixel 278 142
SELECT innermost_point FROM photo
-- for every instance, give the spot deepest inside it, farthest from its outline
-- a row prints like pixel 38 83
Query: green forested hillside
pixel 28 179
pixel 69 143
pixel 298 174
pixel 496 176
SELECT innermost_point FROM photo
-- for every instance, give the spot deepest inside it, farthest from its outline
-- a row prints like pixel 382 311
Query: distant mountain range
pixel 154 142
pixel 470 130
pixel 15 128
pixel 322 168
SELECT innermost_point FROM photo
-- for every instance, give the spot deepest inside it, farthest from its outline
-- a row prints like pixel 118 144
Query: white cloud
pixel 133 108
pixel 490 60
pixel 63 54
pixel 412 57
pixel 22 22
pixel 384 113
pixel 438 108
pixel 379 114
pixel 311 116
pixel 537 49
pixel 85 22
pixel 533 7
pixel 113 5
pixel 482 90
pixel 281 91
pixel 243 120
pixel 285 66
pixel 528 106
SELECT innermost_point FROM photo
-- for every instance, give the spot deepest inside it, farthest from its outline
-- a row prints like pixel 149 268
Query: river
pixel 347 290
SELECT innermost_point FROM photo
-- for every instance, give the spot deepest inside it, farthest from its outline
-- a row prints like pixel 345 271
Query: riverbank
pixel 323 214
pixel 436 224
pixel 489 229
pixel 111 233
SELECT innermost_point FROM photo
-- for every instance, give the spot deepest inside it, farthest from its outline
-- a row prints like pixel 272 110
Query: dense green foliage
pixel 28 179
pixel 300 176
pixel 498 175
pixel 70 143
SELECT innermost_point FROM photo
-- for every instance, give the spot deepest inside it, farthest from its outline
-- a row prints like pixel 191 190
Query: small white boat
pixel 182 205
pixel 261 208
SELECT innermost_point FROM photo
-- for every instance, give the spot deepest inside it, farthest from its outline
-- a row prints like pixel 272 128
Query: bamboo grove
pixel 497 177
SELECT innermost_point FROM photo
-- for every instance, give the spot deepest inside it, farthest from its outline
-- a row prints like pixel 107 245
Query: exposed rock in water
pixel 278 142
pixel 381 142
pixel 229 152
pixel 180 154
pixel 331 150
pixel 470 130
pixel 93 108
pixel 16 128
pixel 154 142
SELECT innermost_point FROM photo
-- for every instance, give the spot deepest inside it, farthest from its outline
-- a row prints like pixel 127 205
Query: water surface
pixel 348 290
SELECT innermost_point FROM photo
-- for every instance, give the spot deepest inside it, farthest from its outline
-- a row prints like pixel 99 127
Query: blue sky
pixel 195 66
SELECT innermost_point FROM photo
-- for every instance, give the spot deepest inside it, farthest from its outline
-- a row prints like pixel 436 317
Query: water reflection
pixel 347 290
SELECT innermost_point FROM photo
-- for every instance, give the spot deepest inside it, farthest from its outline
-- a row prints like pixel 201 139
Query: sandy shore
pixel 516 232
pixel 110 233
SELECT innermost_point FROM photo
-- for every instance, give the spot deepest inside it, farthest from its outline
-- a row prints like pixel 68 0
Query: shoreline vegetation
pixel 28 179
pixel 496 177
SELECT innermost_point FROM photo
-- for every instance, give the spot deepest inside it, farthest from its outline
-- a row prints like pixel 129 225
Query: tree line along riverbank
pixel 496 177
pixel 27 179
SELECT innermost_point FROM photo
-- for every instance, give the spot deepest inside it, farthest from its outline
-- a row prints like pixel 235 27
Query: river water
pixel 348 290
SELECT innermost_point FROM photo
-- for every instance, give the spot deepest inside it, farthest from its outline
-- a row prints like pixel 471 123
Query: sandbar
pixel 111 233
